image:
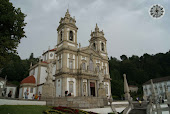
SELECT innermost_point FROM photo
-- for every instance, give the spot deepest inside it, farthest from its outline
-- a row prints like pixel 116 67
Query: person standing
pixel 10 94
pixel 26 94
pixel 39 96
pixel 33 97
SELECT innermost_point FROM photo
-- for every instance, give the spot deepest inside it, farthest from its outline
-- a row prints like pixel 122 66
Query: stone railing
pixel 88 72
pixel 66 71
pixel 85 72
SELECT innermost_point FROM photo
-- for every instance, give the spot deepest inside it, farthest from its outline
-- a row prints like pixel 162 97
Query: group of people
pixel 4 93
pixel 36 97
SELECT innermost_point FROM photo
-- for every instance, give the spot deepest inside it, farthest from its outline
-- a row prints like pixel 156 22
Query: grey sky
pixel 127 25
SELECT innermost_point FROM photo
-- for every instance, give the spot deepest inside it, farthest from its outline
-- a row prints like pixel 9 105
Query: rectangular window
pixel 31 90
pixel 71 86
pixel 71 64
pixel 106 87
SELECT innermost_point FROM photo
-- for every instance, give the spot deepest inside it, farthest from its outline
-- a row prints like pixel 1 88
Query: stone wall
pixel 20 102
pixel 78 102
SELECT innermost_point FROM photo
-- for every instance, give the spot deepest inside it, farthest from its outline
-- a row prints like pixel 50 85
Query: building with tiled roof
pixel 28 80
pixel 160 86
pixel 133 88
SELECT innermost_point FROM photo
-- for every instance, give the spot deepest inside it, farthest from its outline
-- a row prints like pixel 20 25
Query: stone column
pixel 64 86
pixel 38 77
pixel 81 87
pixel 64 61
pixel 88 87
pixel 97 87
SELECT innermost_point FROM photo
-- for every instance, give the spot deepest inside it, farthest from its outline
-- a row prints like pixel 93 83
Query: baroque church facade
pixel 76 69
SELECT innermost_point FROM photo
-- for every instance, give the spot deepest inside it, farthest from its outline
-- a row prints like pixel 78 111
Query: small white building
pixel 159 84
pixel 27 84
pixel 6 87
pixel 133 88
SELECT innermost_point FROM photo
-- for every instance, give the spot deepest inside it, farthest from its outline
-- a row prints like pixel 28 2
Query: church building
pixel 76 69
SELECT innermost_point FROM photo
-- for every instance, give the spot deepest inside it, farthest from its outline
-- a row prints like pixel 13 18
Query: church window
pixel 102 46
pixel 51 55
pixel 61 36
pixel 98 68
pixel 91 65
pixel 94 46
pixel 71 36
pixel 84 87
pixel 31 90
pixel 71 86
pixel 104 71
pixel 106 87
pixel 71 64
pixel 83 66
pixel 59 62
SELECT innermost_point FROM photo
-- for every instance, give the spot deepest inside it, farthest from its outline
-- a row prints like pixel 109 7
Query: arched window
pixel 104 71
pixel 98 68
pixel 91 65
pixel 84 87
pixel 71 36
pixel 102 46
pixel 94 46
pixel 83 66
pixel 106 87
pixel 61 36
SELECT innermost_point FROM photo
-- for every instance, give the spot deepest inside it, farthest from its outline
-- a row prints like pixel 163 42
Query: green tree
pixel 123 57
pixel 11 30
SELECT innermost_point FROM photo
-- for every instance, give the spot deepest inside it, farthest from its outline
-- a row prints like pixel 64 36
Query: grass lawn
pixel 22 109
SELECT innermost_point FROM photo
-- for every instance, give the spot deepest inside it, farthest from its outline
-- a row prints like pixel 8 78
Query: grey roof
pixel 156 80
pixel 10 84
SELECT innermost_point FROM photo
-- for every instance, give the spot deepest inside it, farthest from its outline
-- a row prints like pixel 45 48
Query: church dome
pixel 29 79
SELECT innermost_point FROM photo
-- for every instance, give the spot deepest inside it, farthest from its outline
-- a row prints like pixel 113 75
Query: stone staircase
pixel 139 109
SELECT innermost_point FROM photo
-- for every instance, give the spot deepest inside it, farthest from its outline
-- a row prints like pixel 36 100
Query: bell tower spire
pixel 67 32
pixel 98 41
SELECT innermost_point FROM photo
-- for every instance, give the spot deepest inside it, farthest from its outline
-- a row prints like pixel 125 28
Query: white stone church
pixel 76 69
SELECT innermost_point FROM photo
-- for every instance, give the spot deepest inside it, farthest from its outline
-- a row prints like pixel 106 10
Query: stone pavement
pixel 139 109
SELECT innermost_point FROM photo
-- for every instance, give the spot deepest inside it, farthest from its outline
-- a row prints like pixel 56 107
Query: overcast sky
pixel 128 27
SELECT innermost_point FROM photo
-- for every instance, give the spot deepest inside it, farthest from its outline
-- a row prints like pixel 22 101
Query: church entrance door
pixel 92 88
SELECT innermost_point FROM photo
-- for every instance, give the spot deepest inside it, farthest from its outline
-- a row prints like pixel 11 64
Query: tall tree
pixel 11 30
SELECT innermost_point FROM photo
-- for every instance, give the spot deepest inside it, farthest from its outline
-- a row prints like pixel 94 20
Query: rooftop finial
pixel 67 13
pixel 97 28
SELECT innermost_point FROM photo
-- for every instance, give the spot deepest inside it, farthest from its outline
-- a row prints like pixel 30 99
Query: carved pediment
pixel 91 52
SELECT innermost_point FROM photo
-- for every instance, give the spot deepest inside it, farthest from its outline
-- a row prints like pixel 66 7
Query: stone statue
pixel 48 87
pixel 79 45
pixel 101 77
pixel 49 70
pixel 101 90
